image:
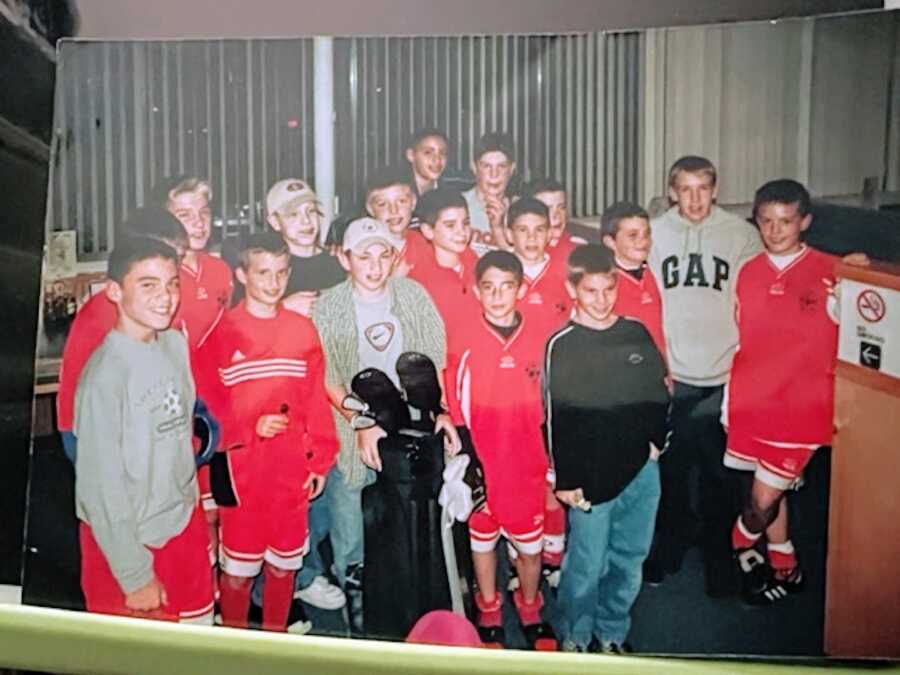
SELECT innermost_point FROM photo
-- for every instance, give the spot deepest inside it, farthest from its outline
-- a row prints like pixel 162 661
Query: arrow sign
pixel 870 355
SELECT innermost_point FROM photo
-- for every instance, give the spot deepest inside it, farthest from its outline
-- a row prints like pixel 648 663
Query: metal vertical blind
pixel 238 112
pixel 571 103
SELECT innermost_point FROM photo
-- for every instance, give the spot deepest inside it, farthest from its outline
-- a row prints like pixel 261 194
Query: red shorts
pixel 524 528
pixel 258 530
pixel 181 565
pixel 774 463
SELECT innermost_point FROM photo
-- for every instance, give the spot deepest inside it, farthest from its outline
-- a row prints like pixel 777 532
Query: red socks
pixel 782 557
pixel 529 614
pixel 234 600
pixel 278 593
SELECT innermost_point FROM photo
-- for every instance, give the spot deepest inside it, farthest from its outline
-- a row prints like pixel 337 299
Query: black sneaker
pixel 778 588
pixel 756 575
pixel 540 637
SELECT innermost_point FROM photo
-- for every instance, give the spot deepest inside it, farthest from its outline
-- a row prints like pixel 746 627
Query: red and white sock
pixel 741 537
pixel 782 557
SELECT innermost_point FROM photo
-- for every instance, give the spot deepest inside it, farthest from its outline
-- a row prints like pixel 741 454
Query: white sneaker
pixel 322 594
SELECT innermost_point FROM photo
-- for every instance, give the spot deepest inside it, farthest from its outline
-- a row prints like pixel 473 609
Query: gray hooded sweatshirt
pixel 696 266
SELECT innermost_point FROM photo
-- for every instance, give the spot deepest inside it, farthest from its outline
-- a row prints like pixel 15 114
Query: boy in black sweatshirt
pixel 606 405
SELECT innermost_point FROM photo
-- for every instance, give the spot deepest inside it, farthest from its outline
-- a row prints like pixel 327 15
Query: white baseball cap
pixel 364 231
pixel 288 193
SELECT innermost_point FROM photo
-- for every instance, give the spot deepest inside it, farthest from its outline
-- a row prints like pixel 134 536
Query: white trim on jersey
pixel 464 388
pixel 260 369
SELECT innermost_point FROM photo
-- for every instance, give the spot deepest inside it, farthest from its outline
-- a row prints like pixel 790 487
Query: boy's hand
pixel 269 426
pixel 315 483
pixel 452 444
pixel 367 442
pixel 302 302
pixel 496 207
pixel 859 259
pixel 574 498
pixel 148 597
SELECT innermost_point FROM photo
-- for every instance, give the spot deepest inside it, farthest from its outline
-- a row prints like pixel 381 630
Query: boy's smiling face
pixel 428 158
pixel 299 225
pixel 392 205
pixel 781 227
pixel 595 298
pixel 369 266
pixel 631 244
pixel 193 212
pixel 451 230
pixel 147 297
pixel 265 278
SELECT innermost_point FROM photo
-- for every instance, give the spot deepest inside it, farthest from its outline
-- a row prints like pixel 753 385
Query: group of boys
pixel 574 368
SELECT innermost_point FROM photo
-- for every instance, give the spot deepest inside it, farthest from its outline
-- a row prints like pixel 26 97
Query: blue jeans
pixel 601 571
pixel 345 511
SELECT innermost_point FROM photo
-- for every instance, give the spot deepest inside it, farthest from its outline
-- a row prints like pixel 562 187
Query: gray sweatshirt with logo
pixel 696 266
pixel 135 480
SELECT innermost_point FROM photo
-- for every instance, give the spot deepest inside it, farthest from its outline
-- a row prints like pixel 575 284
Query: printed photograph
pixel 468 340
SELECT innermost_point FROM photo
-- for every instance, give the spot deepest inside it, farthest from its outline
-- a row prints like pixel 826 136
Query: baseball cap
pixel 290 192
pixel 364 231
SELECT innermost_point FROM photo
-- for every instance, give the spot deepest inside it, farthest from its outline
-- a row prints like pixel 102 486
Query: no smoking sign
pixel 870 306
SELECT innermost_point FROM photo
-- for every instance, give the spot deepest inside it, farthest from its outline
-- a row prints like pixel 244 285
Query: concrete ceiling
pixel 111 19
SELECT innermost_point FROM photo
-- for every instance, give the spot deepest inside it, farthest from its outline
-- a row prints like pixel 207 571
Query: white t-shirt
pixel 380 337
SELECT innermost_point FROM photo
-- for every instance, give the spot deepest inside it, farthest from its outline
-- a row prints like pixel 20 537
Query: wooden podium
pixel 862 597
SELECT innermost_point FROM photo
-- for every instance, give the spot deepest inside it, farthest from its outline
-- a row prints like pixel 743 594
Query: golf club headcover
pixel 207 431
pixel 376 390
pixel 419 380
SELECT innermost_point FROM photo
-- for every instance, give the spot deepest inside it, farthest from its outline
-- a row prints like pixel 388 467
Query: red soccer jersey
pixel 92 323
pixel 415 248
pixel 452 291
pixel 205 296
pixel 782 381
pixel 257 367
pixel 546 303
pixel 563 247
pixel 640 299
pixel 497 393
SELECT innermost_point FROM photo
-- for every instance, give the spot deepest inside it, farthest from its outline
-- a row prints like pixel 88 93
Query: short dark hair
pixel 422 133
pixel 154 222
pixel 495 141
pixel 260 242
pixel 386 176
pixel 129 251
pixel 783 191
pixel 692 164
pixel 589 259
pixel 434 201
pixel 520 207
pixel 503 261
pixel 616 213
pixel 542 184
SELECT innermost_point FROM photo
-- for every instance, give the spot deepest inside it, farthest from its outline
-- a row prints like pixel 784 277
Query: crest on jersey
pixel 508 361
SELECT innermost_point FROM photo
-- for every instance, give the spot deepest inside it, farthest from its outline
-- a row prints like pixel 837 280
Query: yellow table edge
pixel 74 642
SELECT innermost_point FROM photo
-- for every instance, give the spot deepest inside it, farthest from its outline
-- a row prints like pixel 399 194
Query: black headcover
pixel 419 380
pixel 377 391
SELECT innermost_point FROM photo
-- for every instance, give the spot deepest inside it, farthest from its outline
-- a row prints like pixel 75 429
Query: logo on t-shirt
pixel 507 361
pixel 201 293
pixel 634 358
pixel 237 356
pixel 380 335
